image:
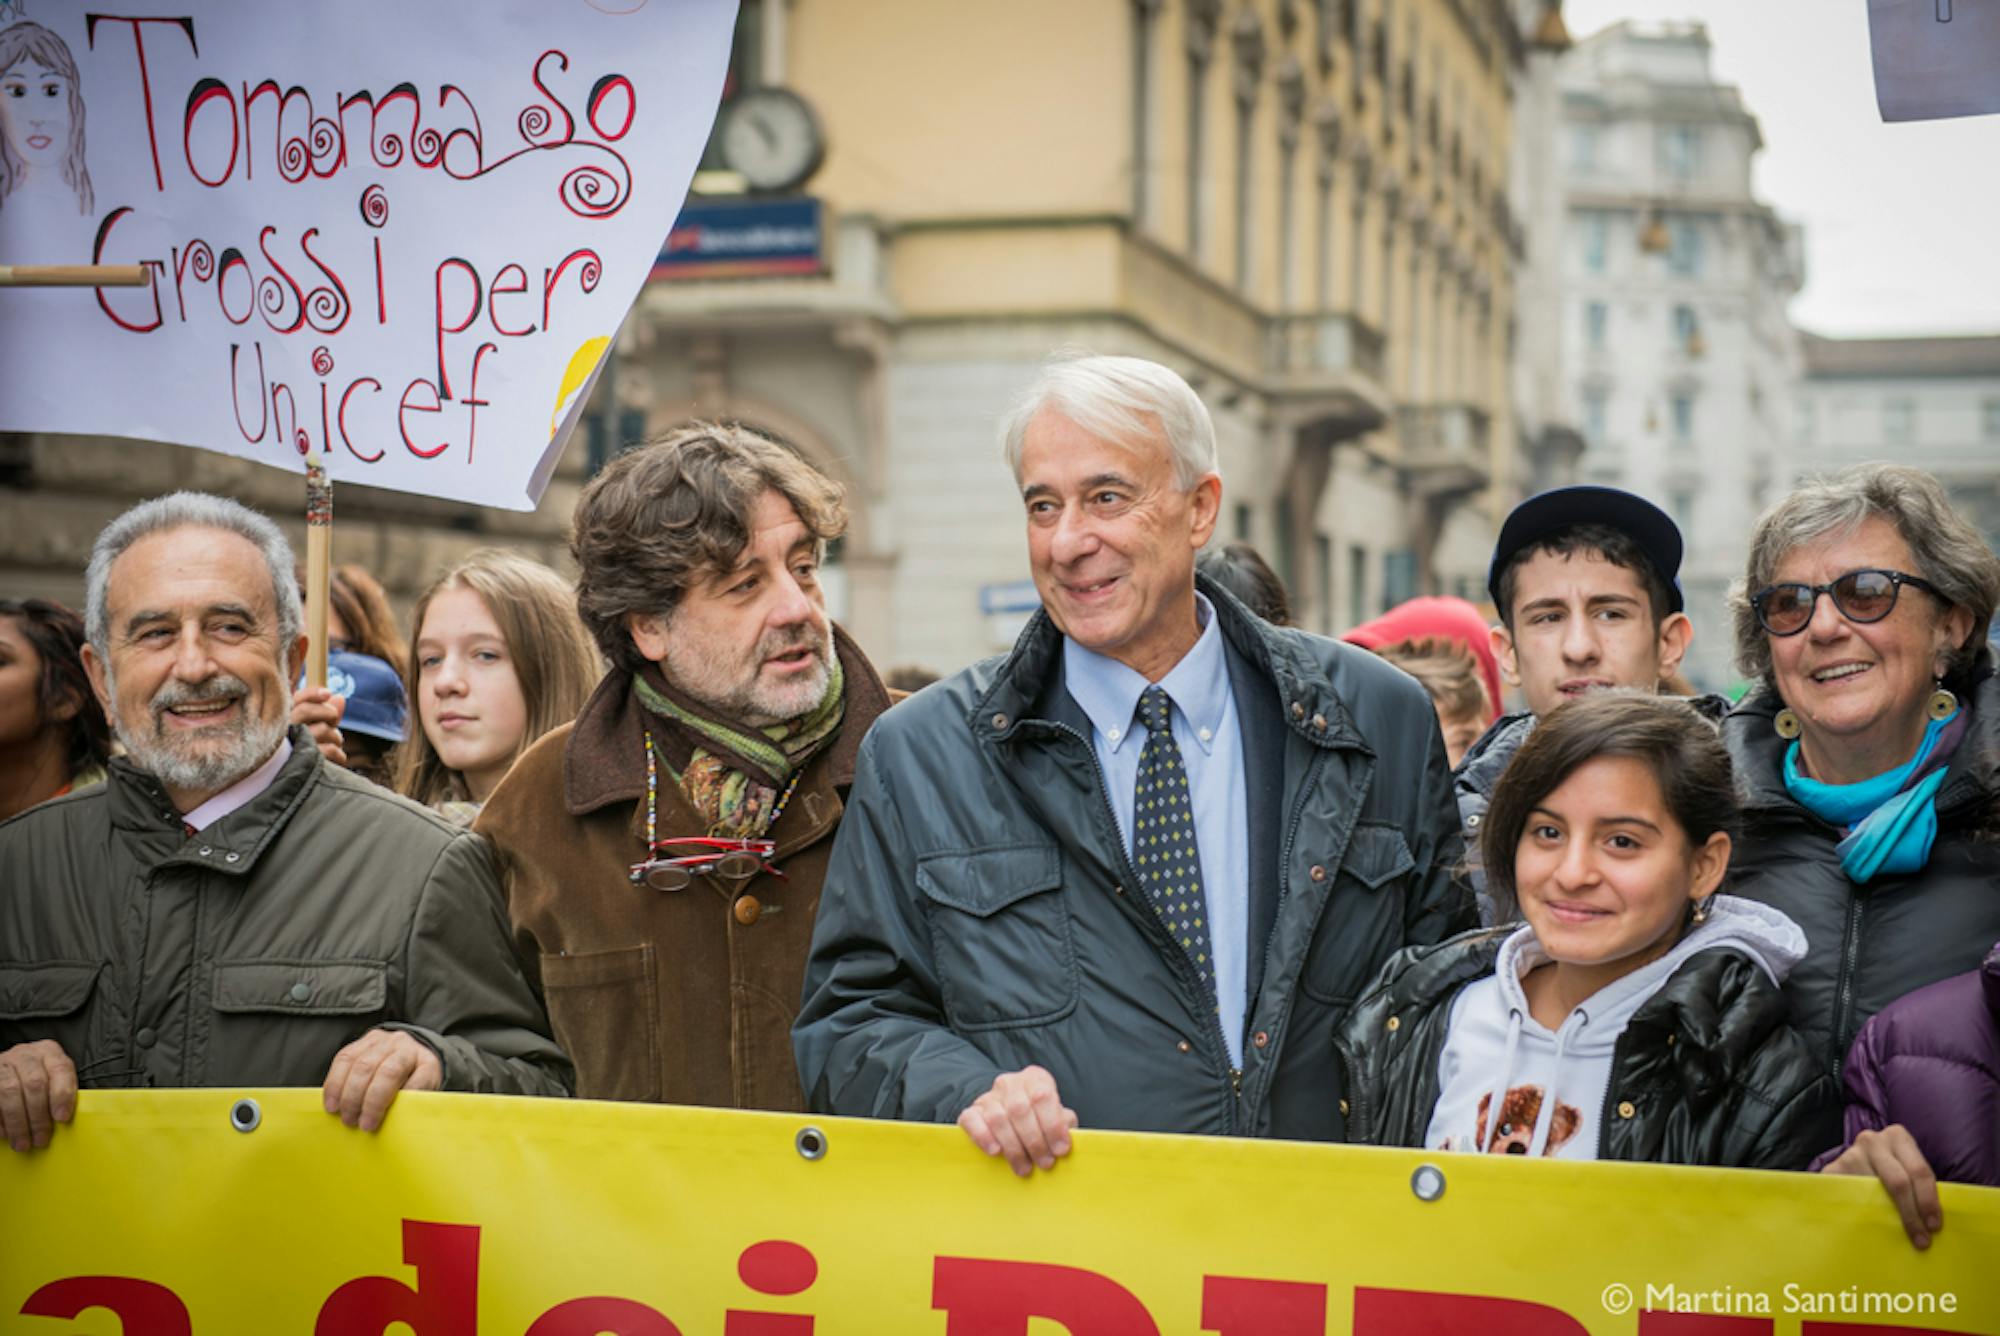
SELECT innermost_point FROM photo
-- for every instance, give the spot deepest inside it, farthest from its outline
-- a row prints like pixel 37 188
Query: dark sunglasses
pixel 1861 596
pixel 733 860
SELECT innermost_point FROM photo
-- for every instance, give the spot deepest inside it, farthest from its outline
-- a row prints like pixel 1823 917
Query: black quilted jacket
pixel 1706 1071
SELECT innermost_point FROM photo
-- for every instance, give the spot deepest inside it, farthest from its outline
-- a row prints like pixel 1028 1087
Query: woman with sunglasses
pixel 1868 748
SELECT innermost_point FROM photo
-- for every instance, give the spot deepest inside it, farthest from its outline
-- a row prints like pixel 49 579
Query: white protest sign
pixel 1935 58
pixel 403 231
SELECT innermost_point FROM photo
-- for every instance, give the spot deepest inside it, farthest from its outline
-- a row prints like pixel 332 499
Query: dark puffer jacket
pixel 1705 1072
pixel 1931 1062
pixel 1869 944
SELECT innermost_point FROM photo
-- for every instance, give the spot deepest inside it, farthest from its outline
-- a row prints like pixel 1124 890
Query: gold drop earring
pixel 1787 724
pixel 1942 704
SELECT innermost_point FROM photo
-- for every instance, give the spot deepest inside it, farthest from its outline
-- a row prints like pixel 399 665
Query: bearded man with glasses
pixel 228 908
pixel 663 855
pixel 1869 747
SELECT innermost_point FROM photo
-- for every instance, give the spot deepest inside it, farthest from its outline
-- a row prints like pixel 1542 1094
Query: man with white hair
pixel 228 908
pixel 1131 874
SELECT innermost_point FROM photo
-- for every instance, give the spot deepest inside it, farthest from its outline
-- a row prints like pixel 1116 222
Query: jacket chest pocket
pixel 47 1001
pixel 1362 924
pixel 328 988
pixel 1000 935
pixel 605 1008
pixel 277 1021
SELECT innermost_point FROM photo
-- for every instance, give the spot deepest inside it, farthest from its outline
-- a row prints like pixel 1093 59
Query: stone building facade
pixel 1300 206
pixel 1662 313
pixel 1933 403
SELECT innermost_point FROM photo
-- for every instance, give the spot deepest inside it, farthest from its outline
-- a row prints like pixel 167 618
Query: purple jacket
pixel 1931 1061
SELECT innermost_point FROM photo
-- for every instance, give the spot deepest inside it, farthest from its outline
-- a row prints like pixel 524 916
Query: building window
pixel 1684 252
pixel 1899 419
pixel 1681 506
pixel 1680 150
pixel 1596 225
pixel 1596 323
pixel 1399 577
pixel 1596 414
pixel 1583 148
pixel 1323 572
pixel 1989 419
pixel 1142 111
pixel 1357 585
pixel 1681 409
pixel 1686 328
pixel 1200 57
pixel 1281 543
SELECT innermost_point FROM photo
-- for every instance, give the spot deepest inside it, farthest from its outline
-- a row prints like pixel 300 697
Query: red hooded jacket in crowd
pixel 1437 619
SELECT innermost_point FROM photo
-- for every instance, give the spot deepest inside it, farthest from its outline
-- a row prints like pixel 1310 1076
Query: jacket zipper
pixel 1159 930
pixel 1843 997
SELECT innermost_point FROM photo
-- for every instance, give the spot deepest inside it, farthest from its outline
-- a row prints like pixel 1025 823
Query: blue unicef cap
pixel 376 705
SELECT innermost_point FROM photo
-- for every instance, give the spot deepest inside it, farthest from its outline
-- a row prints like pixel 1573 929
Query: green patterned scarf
pixel 731 775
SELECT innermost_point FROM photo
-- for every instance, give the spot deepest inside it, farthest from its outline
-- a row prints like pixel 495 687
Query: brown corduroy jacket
pixel 683 997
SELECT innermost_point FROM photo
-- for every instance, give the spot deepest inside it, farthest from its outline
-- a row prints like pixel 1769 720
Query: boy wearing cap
pixel 1584 581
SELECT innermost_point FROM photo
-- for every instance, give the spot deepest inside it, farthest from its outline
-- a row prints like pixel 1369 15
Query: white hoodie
pixel 1550 1086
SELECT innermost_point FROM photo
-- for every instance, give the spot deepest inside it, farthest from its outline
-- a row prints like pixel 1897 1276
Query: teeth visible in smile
pixel 1843 670
pixel 201 709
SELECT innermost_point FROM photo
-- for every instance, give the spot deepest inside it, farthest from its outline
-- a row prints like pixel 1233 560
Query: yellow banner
pixel 167 1213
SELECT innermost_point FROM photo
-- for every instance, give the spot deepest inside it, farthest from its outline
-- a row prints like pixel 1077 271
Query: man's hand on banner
pixel 1023 1118
pixel 37 1091
pixel 1893 1156
pixel 321 711
pixel 366 1075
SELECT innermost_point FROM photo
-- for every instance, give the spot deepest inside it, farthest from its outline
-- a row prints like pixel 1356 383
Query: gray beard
pixel 201 769
pixel 747 700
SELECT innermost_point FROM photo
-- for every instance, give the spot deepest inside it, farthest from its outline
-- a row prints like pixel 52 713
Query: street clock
pixel 772 139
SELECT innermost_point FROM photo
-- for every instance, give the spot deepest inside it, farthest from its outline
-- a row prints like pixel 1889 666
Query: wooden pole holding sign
pixel 319 559
pixel 72 275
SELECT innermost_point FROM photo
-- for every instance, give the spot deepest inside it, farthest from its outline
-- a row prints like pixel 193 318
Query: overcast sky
pixel 1902 221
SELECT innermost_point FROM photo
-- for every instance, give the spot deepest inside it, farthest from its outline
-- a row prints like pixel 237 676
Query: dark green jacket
pixel 250 953
pixel 1705 1072
pixel 980 913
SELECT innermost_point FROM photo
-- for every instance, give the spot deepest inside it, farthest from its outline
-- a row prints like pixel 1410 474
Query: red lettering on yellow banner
pixel 1235 1306
pixel 989 1298
pixel 1422 1313
pixel 141 1305
pixel 443 1302
pixel 602 1317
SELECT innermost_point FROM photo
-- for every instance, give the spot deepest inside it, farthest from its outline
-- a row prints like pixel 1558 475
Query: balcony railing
pixel 1445 446
pixel 1323 346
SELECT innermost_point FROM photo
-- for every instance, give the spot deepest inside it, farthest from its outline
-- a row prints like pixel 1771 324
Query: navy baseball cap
pixel 1564 507
pixel 376 704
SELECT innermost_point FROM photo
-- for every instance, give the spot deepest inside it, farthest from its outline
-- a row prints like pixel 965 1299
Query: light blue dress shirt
pixel 1204 724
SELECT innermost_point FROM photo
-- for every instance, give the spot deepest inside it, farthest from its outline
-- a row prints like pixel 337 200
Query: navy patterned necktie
pixel 1163 839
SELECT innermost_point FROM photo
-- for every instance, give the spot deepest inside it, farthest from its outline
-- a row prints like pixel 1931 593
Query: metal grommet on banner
pixel 811 1143
pixel 1427 1182
pixel 245 1116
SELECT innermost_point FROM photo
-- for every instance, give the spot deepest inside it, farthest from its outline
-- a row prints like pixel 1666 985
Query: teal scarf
pixel 1891 819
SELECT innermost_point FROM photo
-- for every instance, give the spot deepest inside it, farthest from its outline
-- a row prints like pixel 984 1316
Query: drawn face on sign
pixel 34 112
pixel 41 115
